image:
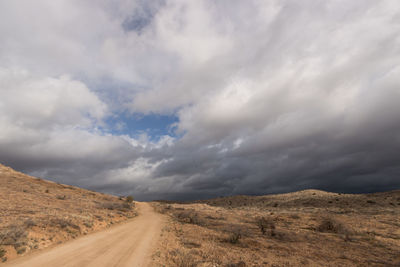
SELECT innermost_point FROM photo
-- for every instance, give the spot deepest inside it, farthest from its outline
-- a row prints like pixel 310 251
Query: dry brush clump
pixel 183 258
pixel 190 216
pixel 64 223
pixel 14 235
pixel 129 199
pixel 331 225
pixel 266 226
pixel 123 206
pixel 235 235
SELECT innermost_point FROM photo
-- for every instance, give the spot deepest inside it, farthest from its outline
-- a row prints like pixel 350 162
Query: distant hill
pixel 310 198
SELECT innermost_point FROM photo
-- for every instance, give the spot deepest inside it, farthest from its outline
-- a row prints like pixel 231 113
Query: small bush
pixel 129 199
pixel 21 250
pixel 63 223
pixel 2 252
pixel 88 224
pixel 30 223
pixel 47 191
pixel 183 259
pixel 330 225
pixel 98 217
pixel 295 216
pixel 189 216
pixel 266 225
pixel 239 264
pixel 116 206
pixel 62 197
pixel 13 235
pixel 234 237
pixel 235 233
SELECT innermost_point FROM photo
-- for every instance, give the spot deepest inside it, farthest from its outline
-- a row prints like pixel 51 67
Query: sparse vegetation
pixel 88 224
pixel 129 199
pixel 116 206
pixel 300 230
pixel 189 216
pixel 64 223
pixel 235 236
pixel 13 235
pixel 30 223
pixel 21 250
pixel 52 212
pixel 330 225
pixel 2 252
pixel 266 225
pixel 183 258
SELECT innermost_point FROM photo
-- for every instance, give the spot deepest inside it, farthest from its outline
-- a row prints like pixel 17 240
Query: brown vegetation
pixel 307 228
pixel 35 213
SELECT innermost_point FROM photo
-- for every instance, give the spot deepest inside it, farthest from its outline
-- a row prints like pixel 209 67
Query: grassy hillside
pixel 306 228
pixel 36 213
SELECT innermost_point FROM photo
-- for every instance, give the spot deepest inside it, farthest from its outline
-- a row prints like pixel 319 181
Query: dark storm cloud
pixel 270 96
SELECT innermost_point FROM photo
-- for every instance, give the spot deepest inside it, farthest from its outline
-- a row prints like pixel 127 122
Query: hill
pixel 305 228
pixel 35 213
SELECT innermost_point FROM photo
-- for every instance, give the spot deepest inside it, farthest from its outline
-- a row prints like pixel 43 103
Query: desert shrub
pixel 295 216
pixel 115 206
pixel 63 223
pixel 47 191
pixel 266 225
pixel 190 244
pixel 129 199
pixel 98 217
pixel 330 225
pixel 184 259
pixel 189 216
pixel 2 252
pixel 61 197
pixel 30 223
pixel 88 224
pixel 234 237
pixel 235 233
pixel 21 250
pixel 238 264
pixel 13 235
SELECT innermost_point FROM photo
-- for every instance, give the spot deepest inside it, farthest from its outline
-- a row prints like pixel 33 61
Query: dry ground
pixel 127 244
pixel 35 213
pixel 306 228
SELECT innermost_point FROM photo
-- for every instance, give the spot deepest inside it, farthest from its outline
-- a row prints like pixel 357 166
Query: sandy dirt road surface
pixel 127 244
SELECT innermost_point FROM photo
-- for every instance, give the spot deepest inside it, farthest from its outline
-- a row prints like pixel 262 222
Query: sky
pixel 177 99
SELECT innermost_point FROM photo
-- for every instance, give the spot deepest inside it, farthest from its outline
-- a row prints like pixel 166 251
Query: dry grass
pixel 297 229
pixel 35 213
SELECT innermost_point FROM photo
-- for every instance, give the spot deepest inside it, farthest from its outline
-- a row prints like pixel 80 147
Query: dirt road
pixel 128 244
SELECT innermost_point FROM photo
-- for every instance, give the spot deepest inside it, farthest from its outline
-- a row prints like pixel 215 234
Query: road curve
pixel 127 244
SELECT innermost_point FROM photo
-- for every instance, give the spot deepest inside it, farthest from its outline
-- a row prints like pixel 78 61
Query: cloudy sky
pixel 180 99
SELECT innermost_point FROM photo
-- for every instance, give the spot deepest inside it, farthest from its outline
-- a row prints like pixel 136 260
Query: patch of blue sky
pixel 154 125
